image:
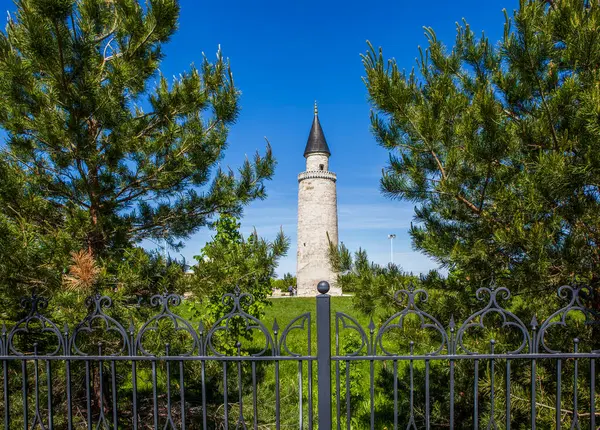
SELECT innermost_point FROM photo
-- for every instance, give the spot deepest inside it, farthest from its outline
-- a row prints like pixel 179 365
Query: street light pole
pixel 391 237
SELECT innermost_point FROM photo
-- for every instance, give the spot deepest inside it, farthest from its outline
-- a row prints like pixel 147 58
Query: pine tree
pixel 101 140
pixel 498 145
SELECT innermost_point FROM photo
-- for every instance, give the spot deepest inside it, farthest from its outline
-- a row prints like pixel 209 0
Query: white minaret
pixel 317 215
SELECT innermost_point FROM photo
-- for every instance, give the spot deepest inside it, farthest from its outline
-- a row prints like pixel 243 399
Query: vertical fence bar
pixel 6 395
pixel 182 393
pixel 534 326
pixel 492 386
pixel 36 382
pixel 533 396
pixel 25 407
pixel 348 420
pixel 310 388
pixel 254 395
pixel 451 394
pixel 310 393
pixel 338 401
pixel 507 394
pixel 115 400
pixel 5 380
pixel 558 392
pixel 412 382
pixel 372 373
pixel 277 383
pixel 240 393
pixel 476 396
pixel 277 397
pixel 88 394
pixel 132 352
pixel 100 394
pixel 593 393
pixel 277 389
pixel 427 400
pixel 69 396
pixel 575 423
pixel 203 383
pixel 49 385
pixel 225 399
pixel 154 395
pixel 134 393
pixel 372 392
pixel 301 392
pixel 324 356
pixel 395 370
pixel 168 382
pixel 452 350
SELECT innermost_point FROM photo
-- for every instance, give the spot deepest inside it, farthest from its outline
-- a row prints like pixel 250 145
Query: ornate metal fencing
pixel 99 374
pixel 530 347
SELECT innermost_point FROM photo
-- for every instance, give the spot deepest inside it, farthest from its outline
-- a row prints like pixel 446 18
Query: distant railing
pixel 317 174
pixel 144 378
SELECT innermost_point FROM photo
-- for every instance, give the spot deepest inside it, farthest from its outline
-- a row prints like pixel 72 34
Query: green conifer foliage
pixel 106 144
pixel 498 145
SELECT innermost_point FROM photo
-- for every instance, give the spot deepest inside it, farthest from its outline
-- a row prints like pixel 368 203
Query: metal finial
pixel 316 109
pixel 323 287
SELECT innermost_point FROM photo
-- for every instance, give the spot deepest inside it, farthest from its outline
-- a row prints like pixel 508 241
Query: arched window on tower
pixel 321 166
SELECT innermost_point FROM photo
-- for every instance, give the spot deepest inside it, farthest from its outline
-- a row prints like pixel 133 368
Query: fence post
pixel 324 356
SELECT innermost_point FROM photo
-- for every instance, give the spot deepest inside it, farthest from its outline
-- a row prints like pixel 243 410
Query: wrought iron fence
pixel 99 374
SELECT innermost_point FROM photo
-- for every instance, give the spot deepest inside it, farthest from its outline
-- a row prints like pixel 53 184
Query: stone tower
pixel 317 215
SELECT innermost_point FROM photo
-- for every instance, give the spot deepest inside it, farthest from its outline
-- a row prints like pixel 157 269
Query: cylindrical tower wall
pixel 317 225
pixel 317 162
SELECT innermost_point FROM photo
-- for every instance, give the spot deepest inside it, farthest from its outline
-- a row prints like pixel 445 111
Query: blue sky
pixel 286 54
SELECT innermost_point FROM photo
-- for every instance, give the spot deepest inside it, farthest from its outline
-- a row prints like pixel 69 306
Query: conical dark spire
pixel 316 139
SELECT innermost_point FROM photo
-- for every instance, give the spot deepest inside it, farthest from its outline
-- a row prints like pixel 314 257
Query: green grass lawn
pixel 285 310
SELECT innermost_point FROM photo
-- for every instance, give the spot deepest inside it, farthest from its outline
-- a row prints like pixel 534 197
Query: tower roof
pixel 316 139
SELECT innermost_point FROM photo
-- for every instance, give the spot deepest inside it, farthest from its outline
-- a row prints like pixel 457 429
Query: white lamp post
pixel 391 237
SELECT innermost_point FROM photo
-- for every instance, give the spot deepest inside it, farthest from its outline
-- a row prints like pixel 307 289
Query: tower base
pixel 308 288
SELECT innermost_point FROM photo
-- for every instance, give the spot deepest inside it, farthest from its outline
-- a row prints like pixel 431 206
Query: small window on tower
pixel 321 166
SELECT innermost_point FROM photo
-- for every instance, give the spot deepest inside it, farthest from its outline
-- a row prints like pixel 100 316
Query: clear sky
pixel 284 55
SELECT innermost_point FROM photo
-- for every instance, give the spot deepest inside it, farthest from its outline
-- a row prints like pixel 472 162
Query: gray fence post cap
pixel 323 287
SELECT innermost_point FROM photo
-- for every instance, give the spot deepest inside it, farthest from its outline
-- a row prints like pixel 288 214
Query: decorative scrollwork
pixel 180 325
pixel 408 298
pixel 349 323
pixel 237 313
pixel 96 314
pixel 574 296
pixel 301 322
pixel 35 304
pixel 509 320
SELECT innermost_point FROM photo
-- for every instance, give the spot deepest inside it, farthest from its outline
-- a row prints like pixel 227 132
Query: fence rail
pixel 172 374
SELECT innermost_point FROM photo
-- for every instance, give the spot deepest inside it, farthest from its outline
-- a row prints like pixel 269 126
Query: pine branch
pixel 106 59
pixel 564 411
pixel 112 30
pixel 137 183
pixel 487 181
pixel 143 42
pixel 542 95
pixel 60 55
